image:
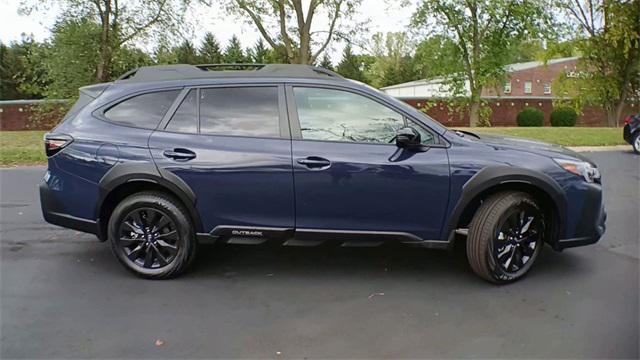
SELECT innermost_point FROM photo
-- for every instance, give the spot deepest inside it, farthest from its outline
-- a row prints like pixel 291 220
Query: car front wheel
pixel 636 142
pixel 151 235
pixel 505 237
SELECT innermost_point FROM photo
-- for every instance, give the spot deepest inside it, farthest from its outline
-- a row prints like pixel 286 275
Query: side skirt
pixel 248 235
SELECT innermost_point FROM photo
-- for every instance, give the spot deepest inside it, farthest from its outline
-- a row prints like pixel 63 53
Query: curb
pixel 625 148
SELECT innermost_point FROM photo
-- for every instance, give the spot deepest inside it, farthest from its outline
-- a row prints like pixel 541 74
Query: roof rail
pixel 184 71
pixel 234 66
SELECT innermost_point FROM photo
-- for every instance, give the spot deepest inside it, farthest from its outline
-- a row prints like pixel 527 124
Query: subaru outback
pixel 167 157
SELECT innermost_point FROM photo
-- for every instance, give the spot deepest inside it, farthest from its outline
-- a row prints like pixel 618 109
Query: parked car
pixel 631 132
pixel 167 157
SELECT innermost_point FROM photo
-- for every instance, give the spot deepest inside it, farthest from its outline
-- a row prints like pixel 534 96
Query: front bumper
pixel 54 212
pixel 591 225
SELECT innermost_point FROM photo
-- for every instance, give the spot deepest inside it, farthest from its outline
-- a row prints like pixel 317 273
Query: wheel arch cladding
pixel 126 179
pixel 493 179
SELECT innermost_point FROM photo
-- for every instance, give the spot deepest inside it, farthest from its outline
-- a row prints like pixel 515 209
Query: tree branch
pixel 331 29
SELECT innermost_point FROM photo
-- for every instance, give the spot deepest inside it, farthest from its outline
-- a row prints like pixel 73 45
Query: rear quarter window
pixel 143 111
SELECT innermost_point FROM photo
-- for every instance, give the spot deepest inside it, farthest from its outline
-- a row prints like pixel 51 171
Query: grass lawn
pixel 21 148
pixel 26 147
pixel 566 136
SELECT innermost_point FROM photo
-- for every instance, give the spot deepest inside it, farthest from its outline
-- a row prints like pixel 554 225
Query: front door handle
pixel 314 162
pixel 179 154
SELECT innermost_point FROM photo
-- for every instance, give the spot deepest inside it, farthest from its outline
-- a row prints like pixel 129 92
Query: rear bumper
pixel 54 213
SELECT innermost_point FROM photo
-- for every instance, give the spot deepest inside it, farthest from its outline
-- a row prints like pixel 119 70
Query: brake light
pixel 53 143
pixel 627 121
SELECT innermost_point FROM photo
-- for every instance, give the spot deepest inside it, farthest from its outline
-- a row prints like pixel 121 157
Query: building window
pixel 527 87
pixel 547 88
pixel 507 87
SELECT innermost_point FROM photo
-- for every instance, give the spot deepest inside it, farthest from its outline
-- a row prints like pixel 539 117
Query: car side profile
pixel 167 157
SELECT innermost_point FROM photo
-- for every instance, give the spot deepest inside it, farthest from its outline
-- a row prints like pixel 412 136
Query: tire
pixel 152 235
pixel 636 142
pixel 501 247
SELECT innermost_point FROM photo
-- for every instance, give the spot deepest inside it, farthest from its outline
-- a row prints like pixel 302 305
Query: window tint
pixel 144 110
pixel 242 111
pixel 185 119
pixel 335 115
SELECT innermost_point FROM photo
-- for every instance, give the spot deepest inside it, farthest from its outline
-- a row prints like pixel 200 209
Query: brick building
pixel 528 84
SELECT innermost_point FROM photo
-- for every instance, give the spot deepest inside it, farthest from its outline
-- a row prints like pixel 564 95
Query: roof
pixel 508 68
pixel 184 71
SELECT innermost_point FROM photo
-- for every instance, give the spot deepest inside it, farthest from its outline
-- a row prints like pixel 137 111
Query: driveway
pixel 64 295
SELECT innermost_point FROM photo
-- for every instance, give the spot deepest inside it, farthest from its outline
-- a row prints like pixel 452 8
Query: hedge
pixel 563 116
pixel 530 117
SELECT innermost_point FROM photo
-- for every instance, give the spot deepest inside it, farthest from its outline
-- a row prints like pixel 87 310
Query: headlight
pixel 583 169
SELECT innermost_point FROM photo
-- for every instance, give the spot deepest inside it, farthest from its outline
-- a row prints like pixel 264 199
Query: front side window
pixel 143 111
pixel 336 115
pixel 240 111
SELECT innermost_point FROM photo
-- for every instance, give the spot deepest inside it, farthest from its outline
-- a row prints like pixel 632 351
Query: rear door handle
pixel 314 162
pixel 179 154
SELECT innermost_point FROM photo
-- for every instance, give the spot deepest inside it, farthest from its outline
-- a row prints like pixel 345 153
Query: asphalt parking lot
pixel 64 295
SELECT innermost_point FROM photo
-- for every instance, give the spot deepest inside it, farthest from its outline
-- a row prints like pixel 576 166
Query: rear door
pixel 231 146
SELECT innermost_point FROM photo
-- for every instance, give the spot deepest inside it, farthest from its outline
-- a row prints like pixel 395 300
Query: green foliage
pixel 259 53
pixel 326 62
pixel 392 64
pixel 233 54
pixel 351 66
pixel 22 72
pixel 209 51
pixel 73 57
pixel 529 117
pixel 563 116
pixel 437 56
pixel 186 53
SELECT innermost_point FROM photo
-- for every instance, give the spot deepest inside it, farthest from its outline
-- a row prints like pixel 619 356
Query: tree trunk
pixel 474 113
pixel 102 72
pixel 614 111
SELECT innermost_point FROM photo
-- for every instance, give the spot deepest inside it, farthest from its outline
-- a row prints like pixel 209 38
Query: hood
pixel 532 146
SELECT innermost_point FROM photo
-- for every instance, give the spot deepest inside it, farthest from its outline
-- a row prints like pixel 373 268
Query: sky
pixel 383 18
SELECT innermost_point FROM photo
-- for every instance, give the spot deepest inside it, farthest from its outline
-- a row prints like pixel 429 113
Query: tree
pixel 233 54
pixel 326 62
pixel 209 51
pixel 259 54
pixel 186 53
pixel 23 74
pixel 293 24
pixel 483 31
pixel 119 22
pixel 393 63
pixel 350 66
pixel 609 38
pixel 437 56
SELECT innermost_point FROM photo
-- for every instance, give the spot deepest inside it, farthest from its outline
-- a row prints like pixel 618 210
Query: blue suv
pixel 167 157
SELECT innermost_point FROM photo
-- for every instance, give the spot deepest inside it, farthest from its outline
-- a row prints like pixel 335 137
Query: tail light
pixel 53 143
pixel 627 121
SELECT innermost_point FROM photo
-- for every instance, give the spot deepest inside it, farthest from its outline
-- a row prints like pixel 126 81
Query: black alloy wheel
pixel 148 237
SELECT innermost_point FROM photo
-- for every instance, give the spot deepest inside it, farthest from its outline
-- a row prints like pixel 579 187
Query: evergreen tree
pixel 350 66
pixel 233 54
pixel 326 62
pixel 260 53
pixel 209 51
pixel 186 53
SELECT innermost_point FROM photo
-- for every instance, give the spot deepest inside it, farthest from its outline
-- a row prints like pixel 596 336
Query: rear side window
pixel 144 111
pixel 240 111
pixel 185 119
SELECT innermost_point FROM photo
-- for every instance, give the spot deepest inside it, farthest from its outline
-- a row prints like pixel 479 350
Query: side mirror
pixel 407 137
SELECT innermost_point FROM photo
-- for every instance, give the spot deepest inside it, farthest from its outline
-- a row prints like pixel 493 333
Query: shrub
pixel 563 116
pixel 530 117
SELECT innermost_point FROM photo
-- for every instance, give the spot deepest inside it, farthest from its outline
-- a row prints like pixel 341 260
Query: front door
pixel 236 158
pixel 349 175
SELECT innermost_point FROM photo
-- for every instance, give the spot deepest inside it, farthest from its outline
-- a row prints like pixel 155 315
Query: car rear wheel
pixel 636 142
pixel 505 237
pixel 151 235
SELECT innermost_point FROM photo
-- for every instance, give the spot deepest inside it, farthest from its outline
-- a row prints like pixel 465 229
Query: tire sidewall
pixel 634 141
pixel 183 227
pixel 496 270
